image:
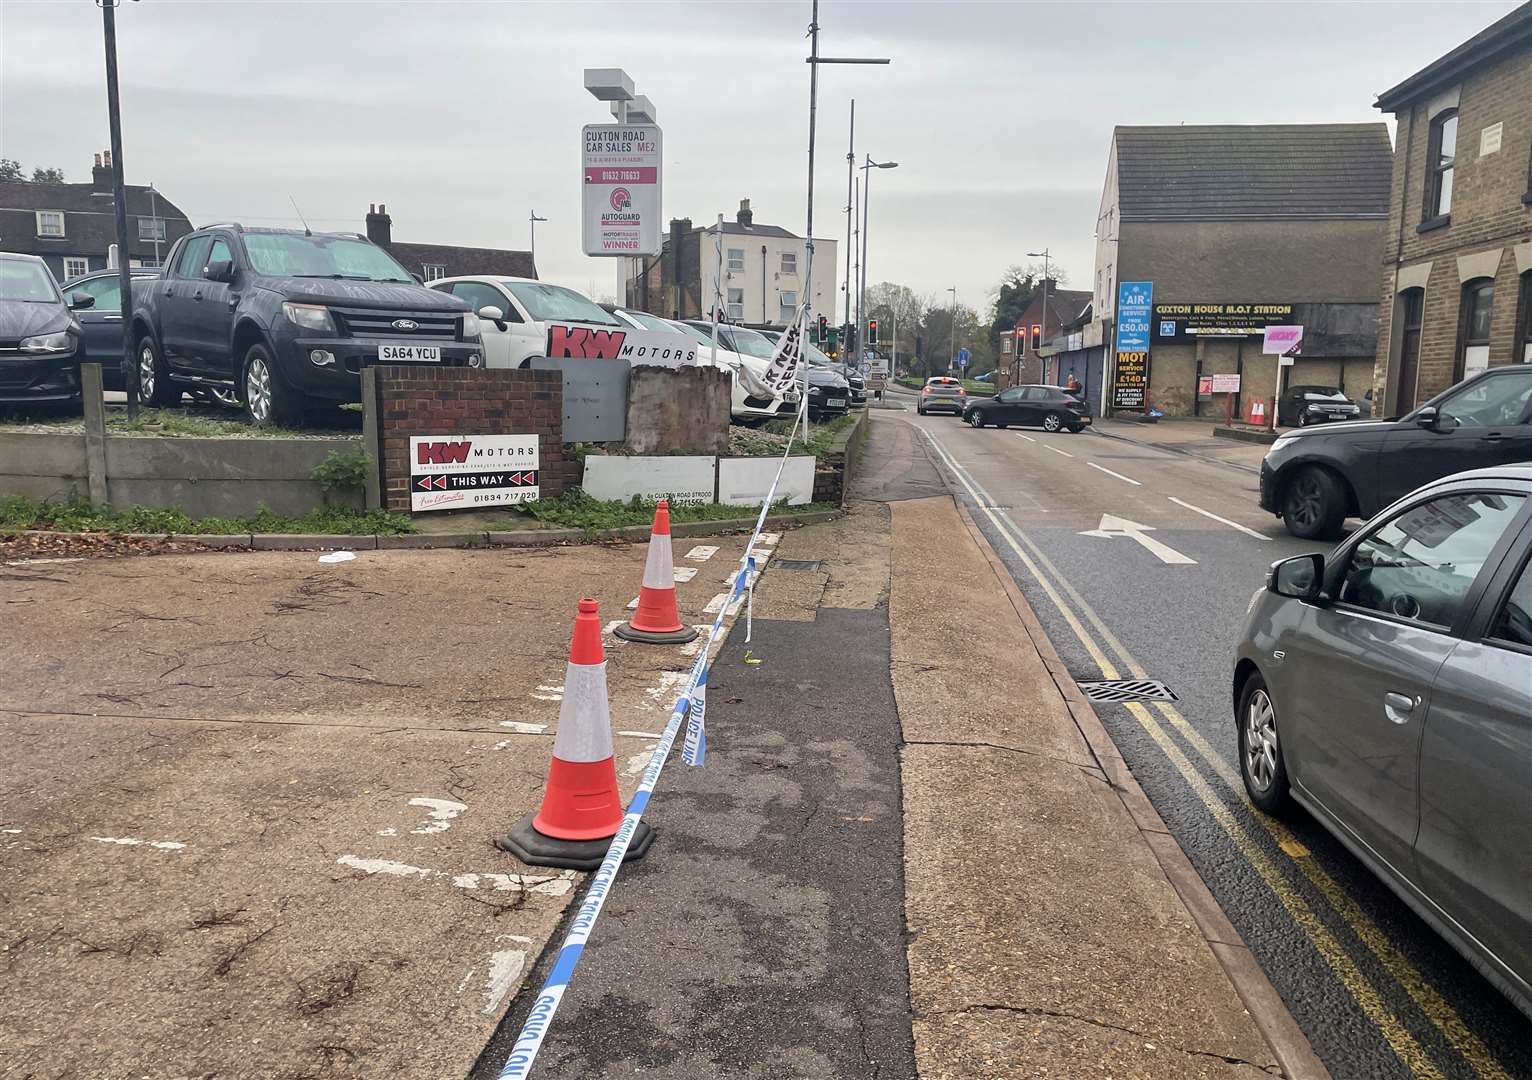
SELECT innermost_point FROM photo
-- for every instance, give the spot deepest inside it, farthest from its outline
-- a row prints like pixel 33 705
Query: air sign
pixel 621 207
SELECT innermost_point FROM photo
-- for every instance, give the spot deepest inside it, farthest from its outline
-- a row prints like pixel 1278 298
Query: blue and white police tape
pixel 694 749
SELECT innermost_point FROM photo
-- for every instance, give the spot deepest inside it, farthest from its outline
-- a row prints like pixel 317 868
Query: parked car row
pixel 276 321
pixel 1051 408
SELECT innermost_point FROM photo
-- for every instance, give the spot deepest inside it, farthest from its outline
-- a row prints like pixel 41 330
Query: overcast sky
pixel 464 116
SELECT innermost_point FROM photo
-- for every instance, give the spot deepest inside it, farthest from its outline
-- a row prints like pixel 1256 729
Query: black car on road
pixel 1301 406
pixel 1316 477
pixel 286 319
pixel 101 322
pixel 1048 407
pixel 39 334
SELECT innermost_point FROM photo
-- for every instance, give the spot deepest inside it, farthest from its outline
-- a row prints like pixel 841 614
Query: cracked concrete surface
pixel 1066 952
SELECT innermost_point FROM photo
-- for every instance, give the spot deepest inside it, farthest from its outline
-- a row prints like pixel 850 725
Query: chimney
pixel 101 174
pixel 380 227
pixel 745 217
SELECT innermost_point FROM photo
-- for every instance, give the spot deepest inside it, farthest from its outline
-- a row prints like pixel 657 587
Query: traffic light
pixel 832 340
pixel 872 331
pixel 823 336
pixel 851 338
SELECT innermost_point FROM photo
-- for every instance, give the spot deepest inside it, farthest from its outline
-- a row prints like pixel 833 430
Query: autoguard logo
pixel 622 198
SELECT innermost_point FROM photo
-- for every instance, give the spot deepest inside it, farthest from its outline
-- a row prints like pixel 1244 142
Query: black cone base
pixel 535 849
pixel 673 637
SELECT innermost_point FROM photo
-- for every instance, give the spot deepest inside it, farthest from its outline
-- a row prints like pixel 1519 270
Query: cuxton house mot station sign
pixel 621 206
pixel 1186 322
pixel 454 472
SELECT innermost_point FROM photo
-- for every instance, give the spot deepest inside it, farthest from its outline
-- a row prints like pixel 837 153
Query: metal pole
pixel 850 211
pixel 854 314
pixel 119 198
pixel 861 292
pixel 1045 309
pixel 952 346
pixel 808 241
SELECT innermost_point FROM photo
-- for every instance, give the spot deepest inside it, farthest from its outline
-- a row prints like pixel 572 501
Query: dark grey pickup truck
pixel 282 320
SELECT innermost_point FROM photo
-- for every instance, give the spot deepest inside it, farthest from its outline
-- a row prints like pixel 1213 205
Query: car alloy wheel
pixel 146 372
pixel 976 418
pixel 229 399
pixel 1305 500
pixel 258 389
pixel 1052 422
pixel 1261 746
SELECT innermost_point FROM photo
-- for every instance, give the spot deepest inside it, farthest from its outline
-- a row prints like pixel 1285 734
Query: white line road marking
pixel 546 697
pixel 641 734
pixel 684 573
pixel 613 625
pixel 129 841
pixel 440 811
pixel 768 539
pixel 716 604
pixel 696 643
pixel 1029 438
pixel 524 729
pixel 702 552
pixel 1115 526
pixel 1056 450
pixel 1215 517
pixel 633 604
pixel 1119 475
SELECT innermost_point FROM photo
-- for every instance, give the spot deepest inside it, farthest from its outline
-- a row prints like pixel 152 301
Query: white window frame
pixel 736 264
pixel 737 306
pixel 790 263
pixel 81 263
pixel 156 230
pixel 46 216
pixel 145 261
pixel 433 271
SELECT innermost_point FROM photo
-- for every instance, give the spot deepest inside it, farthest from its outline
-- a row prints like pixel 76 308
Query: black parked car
pixel 286 319
pixel 39 335
pixel 830 391
pixel 101 323
pixel 1315 478
pixel 1305 405
pixel 1048 407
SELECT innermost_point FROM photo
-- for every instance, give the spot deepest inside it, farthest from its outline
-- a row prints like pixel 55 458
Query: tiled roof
pixel 499 262
pixel 1512 31
pixel 91 225
pixel 1234 173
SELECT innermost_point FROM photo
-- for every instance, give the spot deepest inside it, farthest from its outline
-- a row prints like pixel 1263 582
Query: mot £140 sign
pixel 1130 388
pixel 455 472
pixel 621 206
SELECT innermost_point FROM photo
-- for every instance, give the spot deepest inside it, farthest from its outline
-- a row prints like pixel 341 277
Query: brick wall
pixel 468 401
pixel 1489 214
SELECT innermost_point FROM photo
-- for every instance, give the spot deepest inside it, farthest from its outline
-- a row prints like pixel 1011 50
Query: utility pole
pixel 1033 255
pixel 952 354
pixel 850 218
pixel 532 220
pixel 861 296
pixel 119 198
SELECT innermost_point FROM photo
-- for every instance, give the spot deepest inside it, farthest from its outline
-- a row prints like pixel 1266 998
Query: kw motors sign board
pixel 1183 322
pixel 621 211
pixel 454 472
pixel 1130 386
pixel 581 341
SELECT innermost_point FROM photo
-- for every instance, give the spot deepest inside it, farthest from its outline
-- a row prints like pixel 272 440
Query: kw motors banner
pixel 621 205
pixel 452 472
pixel 581 341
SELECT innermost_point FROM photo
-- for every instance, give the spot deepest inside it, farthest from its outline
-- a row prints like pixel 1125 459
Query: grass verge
pixel 577 510
pixel 18 512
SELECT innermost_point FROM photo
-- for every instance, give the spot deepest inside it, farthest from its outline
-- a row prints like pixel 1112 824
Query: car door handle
pixel 197 295
pixel 1398 707
pixel 111 318
pixel 1493 436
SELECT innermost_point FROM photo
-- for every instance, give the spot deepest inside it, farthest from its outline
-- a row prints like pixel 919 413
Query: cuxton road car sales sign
pixel 456 472
pixel 621 211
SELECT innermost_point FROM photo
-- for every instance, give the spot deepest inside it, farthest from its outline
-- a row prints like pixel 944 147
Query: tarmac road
pixel 1378 993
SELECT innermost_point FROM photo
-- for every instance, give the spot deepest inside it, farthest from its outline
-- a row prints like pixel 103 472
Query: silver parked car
pixel 1387 688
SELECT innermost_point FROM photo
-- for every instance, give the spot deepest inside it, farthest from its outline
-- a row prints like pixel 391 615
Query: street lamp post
pixel 952 313
pixel 119 199
pixel 532 220
pixel 1043 254
pixel 861 292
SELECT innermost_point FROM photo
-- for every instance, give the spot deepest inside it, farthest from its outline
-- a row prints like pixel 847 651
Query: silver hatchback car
pixel 1387 687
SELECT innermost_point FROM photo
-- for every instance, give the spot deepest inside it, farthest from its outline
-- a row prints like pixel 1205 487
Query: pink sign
pixel 1283 340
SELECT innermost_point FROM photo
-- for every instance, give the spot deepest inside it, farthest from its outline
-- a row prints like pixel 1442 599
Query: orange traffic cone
pixel 582 808
pixel 658 619
pixel 1258 413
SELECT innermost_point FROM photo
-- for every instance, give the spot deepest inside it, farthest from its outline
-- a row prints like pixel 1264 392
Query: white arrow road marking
pixel 1115 526
pixel 1119 475
pixel 1215 517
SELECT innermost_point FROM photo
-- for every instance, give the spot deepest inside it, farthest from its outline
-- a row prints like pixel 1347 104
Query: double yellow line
pixel 1077 613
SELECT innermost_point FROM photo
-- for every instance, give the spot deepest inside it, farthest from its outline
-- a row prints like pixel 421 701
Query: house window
pixel 737 304
pixel 789 306
pixel 50 223
pixel 1524 353
pixel 1441 155
pixel 789 263
pixel 434 271
pixel 148 261
pixel 151 228
pixel 74 267
pixel 736 260
pixel 1412 307
pixel 1478 309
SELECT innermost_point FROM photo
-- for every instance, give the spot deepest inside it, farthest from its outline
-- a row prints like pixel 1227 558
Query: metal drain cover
pixel 1128 690
pixel 797 564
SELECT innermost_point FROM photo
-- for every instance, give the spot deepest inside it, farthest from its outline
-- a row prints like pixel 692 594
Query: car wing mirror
pixel 80 301
pixel 493 314
pixel 222 270
pixel 1299 578
pixel 1428 418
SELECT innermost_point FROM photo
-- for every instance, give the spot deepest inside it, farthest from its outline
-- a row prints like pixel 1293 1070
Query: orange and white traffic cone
pixel 658 619
pixel 582 808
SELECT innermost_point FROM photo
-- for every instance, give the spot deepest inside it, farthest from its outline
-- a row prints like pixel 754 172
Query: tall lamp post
pixel 119 200
pixel 952 313
pixel 532 220
pixel 861 291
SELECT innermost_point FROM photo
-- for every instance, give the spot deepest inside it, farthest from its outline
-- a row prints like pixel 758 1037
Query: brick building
pixel 432 261
pixel 1457 262
pixel 1237 227
pixel 1040 322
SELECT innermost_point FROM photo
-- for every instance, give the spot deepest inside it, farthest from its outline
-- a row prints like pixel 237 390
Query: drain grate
pixel 1128 690
pixel 797 564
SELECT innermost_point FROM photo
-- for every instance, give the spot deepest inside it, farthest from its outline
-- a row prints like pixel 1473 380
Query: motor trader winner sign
pixel 457 472
pixel 621 206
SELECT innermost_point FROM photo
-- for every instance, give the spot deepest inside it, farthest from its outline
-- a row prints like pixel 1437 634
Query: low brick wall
pixel 832 473
pixel 469 401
